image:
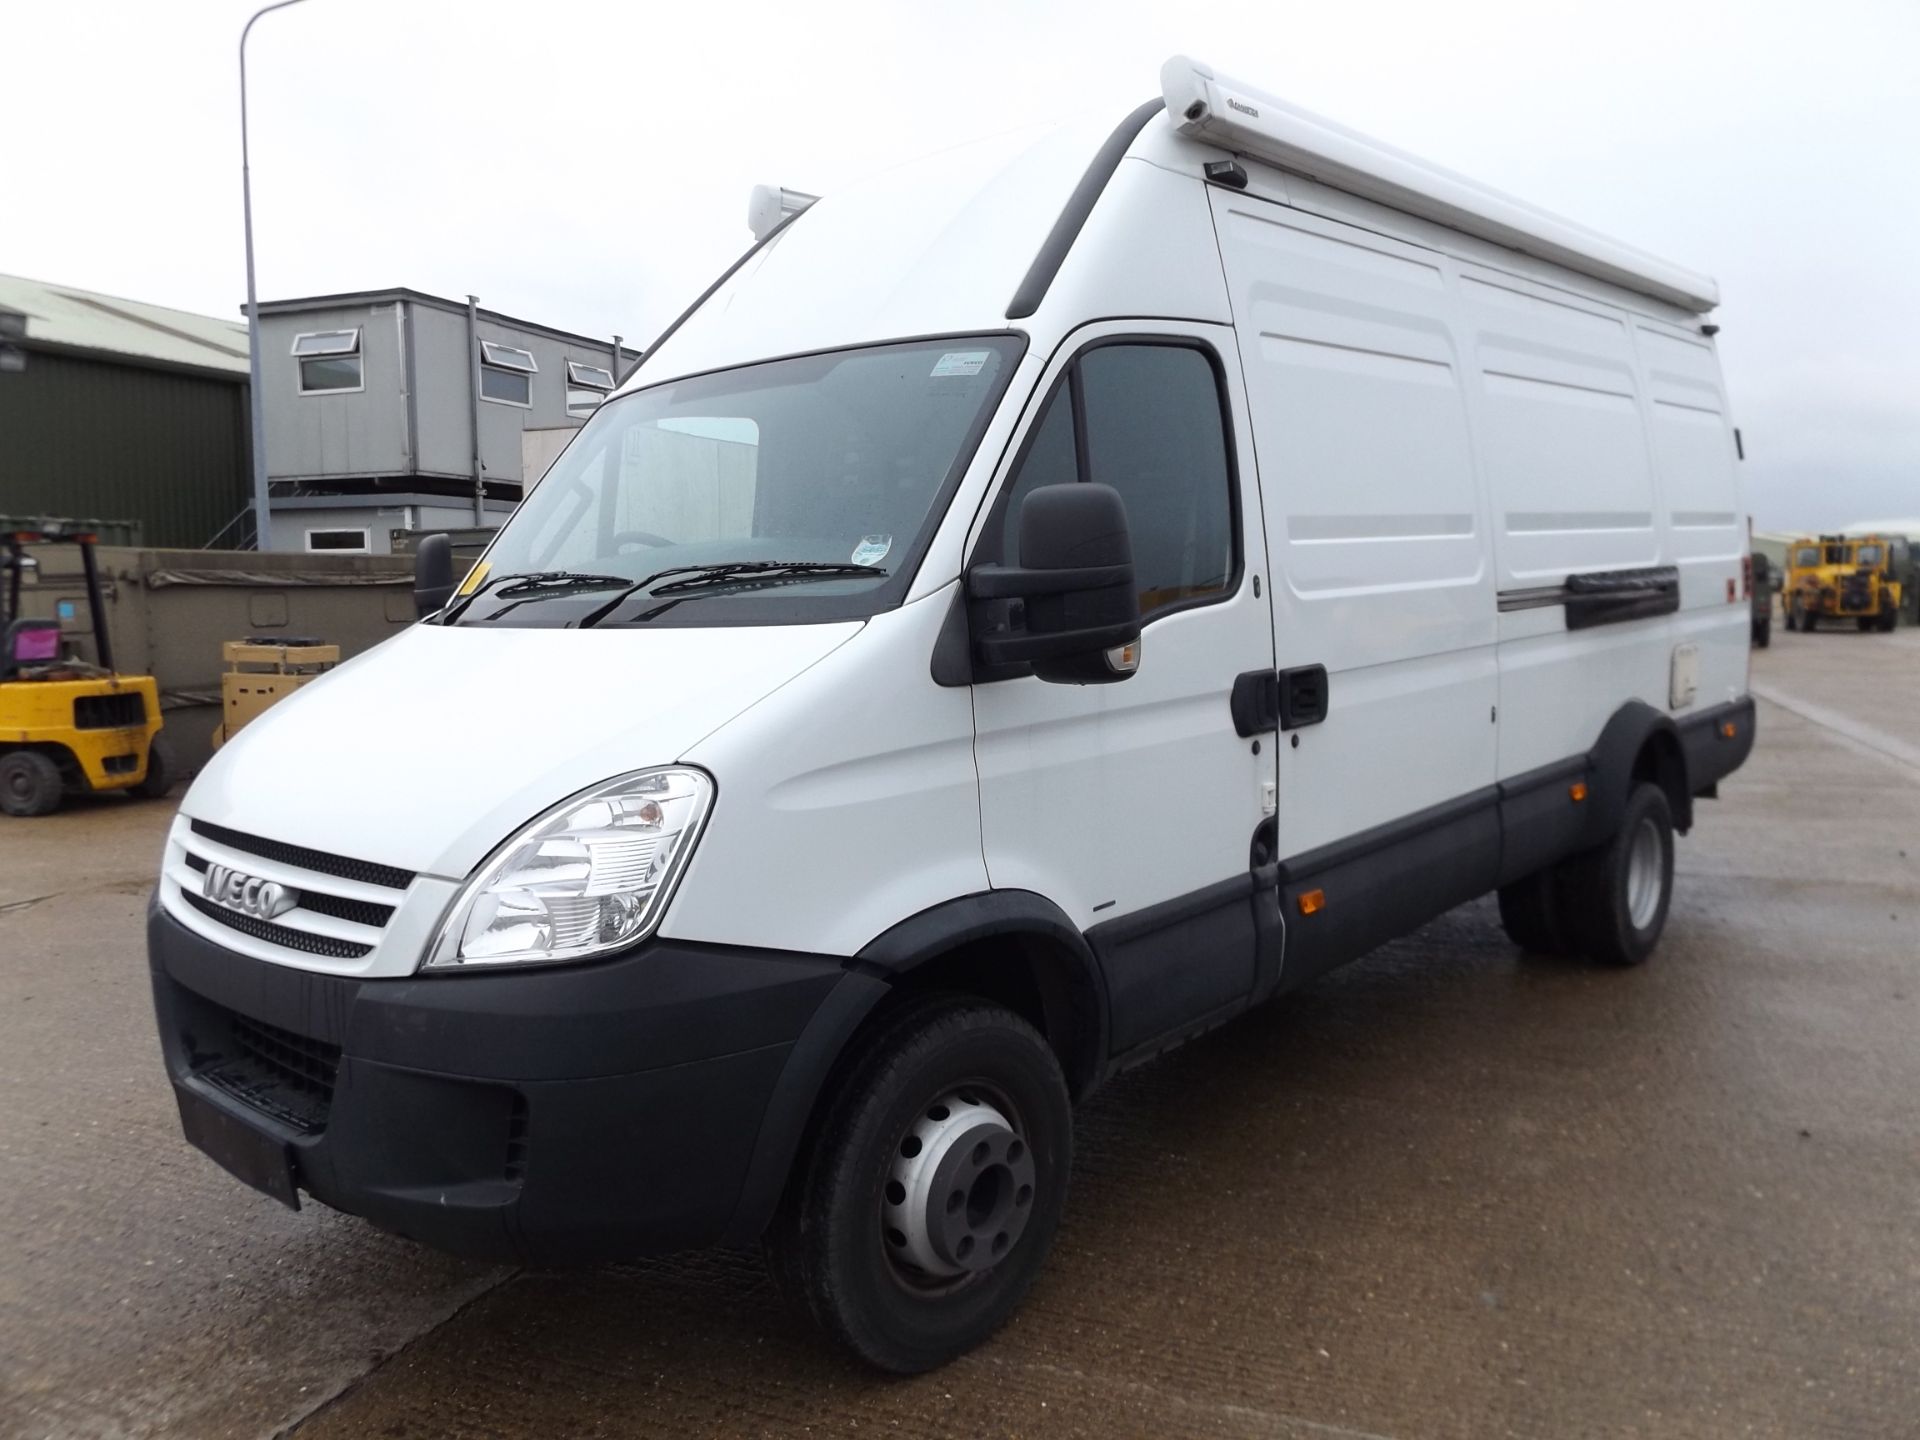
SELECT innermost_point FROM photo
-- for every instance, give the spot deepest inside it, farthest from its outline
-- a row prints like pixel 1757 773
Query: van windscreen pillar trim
pixel 1066 229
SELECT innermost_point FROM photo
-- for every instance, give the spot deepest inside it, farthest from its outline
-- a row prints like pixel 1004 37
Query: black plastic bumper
pixel 1717 742
pixel 645 1103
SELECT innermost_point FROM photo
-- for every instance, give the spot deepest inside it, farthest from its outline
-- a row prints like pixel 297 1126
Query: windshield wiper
pixel 533 584
pixel 732 572
pixel 764 570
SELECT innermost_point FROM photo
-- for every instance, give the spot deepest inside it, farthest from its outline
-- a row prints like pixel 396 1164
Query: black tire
pixel 1889 621
pixel 1592 891
pixel 160 776
pixel 1866 623
pixel 30 783
pixel 1527 915
pixel 827 1245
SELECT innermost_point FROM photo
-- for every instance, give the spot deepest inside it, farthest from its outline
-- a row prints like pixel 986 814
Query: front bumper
pixel 554 1115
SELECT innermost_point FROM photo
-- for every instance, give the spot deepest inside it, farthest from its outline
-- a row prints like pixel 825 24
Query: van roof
pixel 973 238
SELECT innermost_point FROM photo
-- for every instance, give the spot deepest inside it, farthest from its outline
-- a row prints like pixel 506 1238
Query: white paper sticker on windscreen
pixel 960 362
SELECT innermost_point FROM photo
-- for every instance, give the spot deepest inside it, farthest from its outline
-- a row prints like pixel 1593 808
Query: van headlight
pixel 591 875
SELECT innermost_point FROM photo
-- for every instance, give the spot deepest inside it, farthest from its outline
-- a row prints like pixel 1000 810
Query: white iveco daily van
pixel 1032 608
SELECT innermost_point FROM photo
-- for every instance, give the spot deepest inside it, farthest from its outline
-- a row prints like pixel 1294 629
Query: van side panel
pixel 1691 436
pixel 1571 481
pixel 1375 525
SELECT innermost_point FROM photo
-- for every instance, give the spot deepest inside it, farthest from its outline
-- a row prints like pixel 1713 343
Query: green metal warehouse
pixel 120 411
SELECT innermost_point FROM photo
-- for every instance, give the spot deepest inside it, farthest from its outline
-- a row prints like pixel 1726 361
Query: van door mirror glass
pixel 1075 588
pixel 432 575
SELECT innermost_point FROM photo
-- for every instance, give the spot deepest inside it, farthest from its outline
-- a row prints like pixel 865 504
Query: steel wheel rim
pixel 960 1188
pixel 1646 873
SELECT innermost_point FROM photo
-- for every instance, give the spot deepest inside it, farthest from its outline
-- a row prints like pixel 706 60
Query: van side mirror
pixel 432 575
pixel 1081 611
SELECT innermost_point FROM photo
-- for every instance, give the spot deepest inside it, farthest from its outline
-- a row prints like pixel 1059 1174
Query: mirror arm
pixel 1024 649
pixel 1011 582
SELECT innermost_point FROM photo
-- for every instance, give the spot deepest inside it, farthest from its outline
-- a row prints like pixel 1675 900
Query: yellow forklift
pixel 67 724
pixel 1842 577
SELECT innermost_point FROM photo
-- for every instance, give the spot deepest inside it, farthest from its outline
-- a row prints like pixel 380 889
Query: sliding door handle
pixel 1303 696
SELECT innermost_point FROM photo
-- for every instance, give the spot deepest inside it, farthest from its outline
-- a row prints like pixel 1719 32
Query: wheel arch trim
pixel 1632 728
pixel 890 958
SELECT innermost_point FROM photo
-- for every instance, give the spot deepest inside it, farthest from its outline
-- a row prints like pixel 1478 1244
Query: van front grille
pixel 285 1075
pixel 287 935
pixel 516 1168
pixel 364 872
pixel 361 912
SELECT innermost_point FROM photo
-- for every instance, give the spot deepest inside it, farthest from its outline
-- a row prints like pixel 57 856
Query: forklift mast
pixel 48 532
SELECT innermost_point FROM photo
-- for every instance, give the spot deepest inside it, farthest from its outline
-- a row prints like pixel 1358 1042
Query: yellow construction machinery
pixel 68 724
pixel 1844 577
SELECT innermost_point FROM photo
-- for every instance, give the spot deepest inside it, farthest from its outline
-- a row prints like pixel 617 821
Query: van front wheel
pixel 1614 898
pixel 917 1221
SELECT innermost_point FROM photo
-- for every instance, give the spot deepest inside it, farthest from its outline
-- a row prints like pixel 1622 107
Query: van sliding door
pixel 1382 571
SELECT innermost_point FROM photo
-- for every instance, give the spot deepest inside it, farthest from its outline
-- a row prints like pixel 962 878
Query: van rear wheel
pixel 920 1216
pixel 1613 900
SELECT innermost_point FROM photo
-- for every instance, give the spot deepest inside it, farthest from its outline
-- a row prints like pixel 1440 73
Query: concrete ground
pixel 1446 1192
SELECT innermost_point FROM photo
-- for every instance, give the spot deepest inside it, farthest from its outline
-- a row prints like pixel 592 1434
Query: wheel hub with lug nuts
pixel 960 1191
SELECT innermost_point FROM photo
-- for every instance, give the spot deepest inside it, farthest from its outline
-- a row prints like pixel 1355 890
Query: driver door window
pixel 1146 419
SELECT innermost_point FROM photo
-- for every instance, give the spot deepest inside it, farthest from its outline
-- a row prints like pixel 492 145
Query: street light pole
pixel 257 401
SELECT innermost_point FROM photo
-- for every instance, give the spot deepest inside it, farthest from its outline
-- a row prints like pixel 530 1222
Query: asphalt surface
pixel 1446 1192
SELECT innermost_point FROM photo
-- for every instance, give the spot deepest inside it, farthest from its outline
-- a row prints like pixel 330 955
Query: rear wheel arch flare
pixel 1662 760
pixel 1640 743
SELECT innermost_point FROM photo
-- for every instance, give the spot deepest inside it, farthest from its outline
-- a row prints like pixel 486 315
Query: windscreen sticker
pixel 474 577
pixel 872 549
pixel 960 362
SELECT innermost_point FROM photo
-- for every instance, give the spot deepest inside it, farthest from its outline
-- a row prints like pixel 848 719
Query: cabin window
pixel 340 542
pixel 330 361
pixel 587 387
pixel 506 374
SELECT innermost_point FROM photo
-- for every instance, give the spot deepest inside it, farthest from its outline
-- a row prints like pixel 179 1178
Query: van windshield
pixel 789 491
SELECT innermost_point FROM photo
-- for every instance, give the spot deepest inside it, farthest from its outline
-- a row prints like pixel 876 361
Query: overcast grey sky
pixel 588 164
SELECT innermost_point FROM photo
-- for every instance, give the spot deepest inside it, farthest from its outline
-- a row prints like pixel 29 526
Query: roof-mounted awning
pixel 1221 111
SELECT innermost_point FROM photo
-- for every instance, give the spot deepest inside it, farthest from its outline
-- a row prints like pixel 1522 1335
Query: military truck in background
pixel 1842 577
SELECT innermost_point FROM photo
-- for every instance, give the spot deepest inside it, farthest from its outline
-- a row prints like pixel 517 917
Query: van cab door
pixel 1133 806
